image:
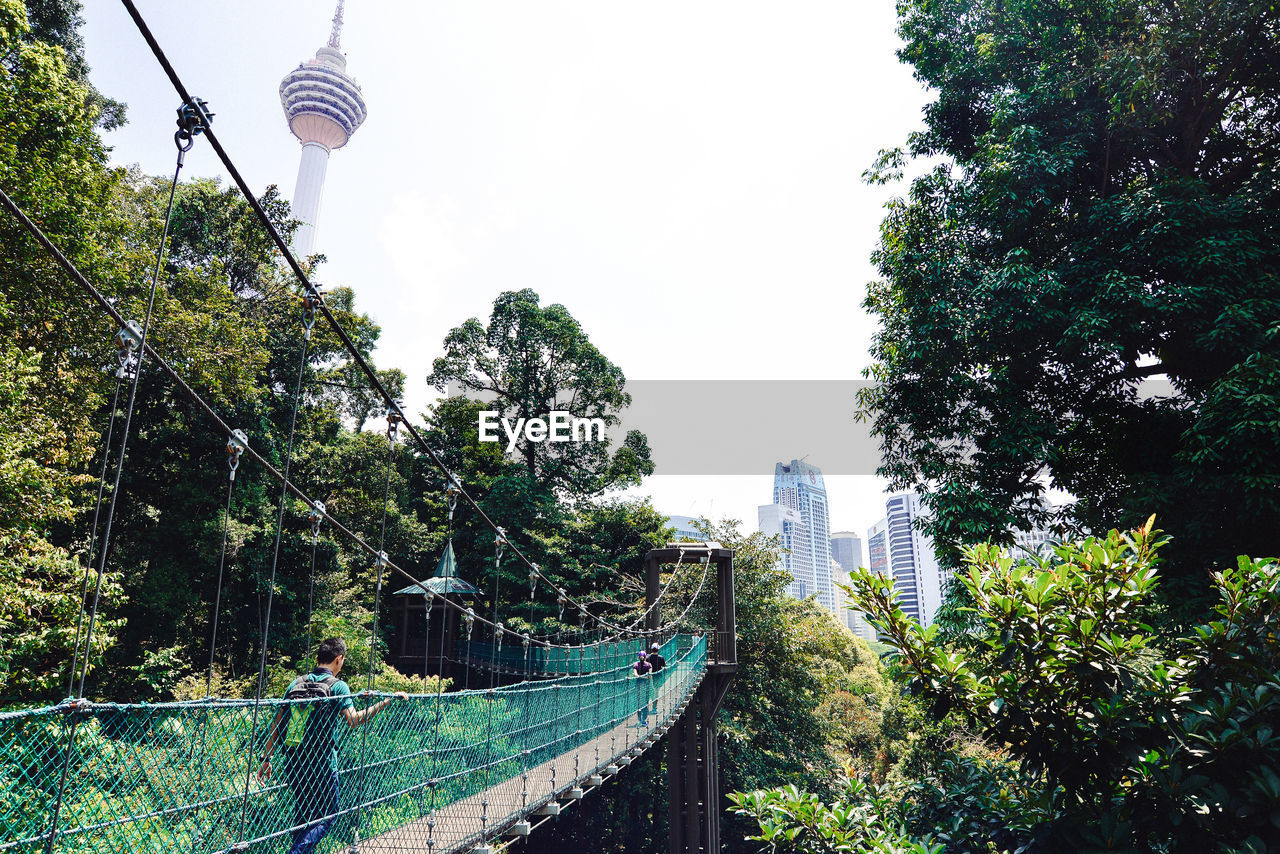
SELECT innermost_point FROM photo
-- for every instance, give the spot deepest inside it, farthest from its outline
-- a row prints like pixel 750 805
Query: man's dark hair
pixel 330 650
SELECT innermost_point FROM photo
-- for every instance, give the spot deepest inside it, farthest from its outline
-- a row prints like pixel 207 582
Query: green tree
pixel 1105 210
pixel 1155 742
pixel 53 164
pixel 534 360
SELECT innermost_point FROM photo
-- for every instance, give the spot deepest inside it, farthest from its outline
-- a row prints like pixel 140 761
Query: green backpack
pixel 299 713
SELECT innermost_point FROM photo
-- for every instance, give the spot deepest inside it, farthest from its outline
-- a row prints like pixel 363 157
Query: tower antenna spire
pixel 335 37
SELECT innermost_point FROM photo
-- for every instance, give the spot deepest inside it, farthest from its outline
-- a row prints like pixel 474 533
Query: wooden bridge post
pixel 695 805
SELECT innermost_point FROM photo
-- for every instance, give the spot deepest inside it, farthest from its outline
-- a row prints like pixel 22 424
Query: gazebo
pixel 412 649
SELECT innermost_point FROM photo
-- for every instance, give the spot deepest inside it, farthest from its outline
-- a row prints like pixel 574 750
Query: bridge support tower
pixel 693 767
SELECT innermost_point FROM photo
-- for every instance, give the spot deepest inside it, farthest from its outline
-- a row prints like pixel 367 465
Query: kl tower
pixel 324 107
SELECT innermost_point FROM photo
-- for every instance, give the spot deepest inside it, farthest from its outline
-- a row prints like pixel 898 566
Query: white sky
pixel 684 177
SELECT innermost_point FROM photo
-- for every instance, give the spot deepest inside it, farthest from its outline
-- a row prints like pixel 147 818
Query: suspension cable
pixel 236 446
pixel 122 372
pixel 198 400
pixel 193 118
pixel 315 516
pixel 375 382
pixel 392 430
pixel 308 321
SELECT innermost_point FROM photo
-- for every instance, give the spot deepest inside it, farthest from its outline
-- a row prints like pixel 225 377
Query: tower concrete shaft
pixel 324 107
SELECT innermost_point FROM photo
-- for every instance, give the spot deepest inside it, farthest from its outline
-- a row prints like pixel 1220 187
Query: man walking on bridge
pixel 306 728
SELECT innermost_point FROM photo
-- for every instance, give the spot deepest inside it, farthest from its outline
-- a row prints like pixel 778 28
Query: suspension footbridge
pixel 444 772
pixel 449 771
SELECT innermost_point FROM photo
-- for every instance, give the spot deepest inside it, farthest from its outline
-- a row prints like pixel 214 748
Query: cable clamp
pixel 311 301
pixel 394 420
pixel 315 515
pixel 237 444
pixel 129 338
pixel 383 560
pixel 194 119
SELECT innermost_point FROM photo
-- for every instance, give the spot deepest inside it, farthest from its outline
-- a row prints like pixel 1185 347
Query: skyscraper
pixel 846 551
pixel 805 532
pixel 324 108
pixel 846 548
pixel 900 550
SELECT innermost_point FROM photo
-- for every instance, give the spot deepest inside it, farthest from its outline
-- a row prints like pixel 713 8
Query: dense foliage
pixel 1134 738
pixel 1101 206
pixel 808 701
pixel 229 318
pixel 530 361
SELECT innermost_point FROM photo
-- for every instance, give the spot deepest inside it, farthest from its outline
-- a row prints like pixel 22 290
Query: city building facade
pixel 683 527
pixel 846 548
pixel 899 549
pixel 805 531
pixel 846 551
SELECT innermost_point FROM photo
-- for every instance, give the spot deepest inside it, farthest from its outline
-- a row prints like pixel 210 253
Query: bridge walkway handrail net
pixel 175 777
pixel 553 660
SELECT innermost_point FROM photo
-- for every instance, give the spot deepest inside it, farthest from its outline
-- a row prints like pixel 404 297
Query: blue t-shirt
pixel 318 744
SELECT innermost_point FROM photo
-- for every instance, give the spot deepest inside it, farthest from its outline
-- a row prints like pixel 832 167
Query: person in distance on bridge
pixel 642 670
pixel 658 666
pixel 306 728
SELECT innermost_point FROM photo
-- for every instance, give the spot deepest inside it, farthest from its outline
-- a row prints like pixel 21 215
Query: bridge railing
pixel 181 776
pixel 559 660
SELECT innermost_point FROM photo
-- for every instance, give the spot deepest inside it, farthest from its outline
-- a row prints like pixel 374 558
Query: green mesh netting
pixel 591 658
pixel 437 773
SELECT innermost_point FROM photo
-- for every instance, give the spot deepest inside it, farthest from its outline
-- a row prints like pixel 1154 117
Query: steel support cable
pixel 183 386
pixel 661 593
pixel 308 320
pixel 392 430
pixel 706 565
pixel 706 568
pixel 184 139
pixel 126 358
pixel 234 451
pixel 316 516
pixel 375 383
pixel 129 408
pixel 499 544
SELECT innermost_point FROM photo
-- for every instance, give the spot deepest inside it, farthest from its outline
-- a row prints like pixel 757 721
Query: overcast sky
pixel 684 177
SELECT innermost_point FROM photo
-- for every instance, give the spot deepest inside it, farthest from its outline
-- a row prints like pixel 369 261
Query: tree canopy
pixel 534 360
pixel 1104 209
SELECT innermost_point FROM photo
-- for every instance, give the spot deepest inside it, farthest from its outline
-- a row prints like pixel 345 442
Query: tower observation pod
pixel 324 108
